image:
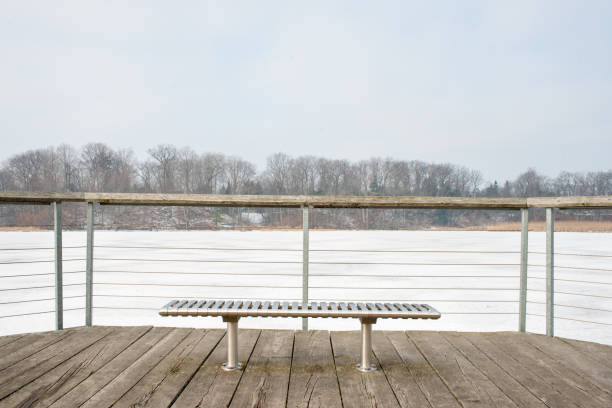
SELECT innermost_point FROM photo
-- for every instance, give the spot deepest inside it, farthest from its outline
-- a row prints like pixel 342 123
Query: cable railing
pixel 473 282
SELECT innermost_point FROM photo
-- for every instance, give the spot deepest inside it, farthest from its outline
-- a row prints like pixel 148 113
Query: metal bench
pixel 232 310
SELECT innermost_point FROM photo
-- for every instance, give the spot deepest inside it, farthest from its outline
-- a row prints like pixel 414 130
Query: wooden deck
pixel 160 367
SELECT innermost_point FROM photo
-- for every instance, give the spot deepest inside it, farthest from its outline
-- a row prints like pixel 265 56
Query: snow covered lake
pixel 472 277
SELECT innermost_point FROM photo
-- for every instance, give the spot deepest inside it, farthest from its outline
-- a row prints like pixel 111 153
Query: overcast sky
pixel 497 86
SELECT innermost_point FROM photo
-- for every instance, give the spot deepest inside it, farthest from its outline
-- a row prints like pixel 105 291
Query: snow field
pixel 476 290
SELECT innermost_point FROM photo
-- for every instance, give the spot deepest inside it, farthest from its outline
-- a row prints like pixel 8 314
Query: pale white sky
pixel 497 86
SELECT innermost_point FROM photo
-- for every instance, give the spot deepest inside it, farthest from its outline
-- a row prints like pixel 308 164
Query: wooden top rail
pixel 389 202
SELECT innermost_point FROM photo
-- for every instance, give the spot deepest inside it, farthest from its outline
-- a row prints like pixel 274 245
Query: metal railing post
pixel 59 300
pixel 305 253
pixel 550 272
pixel 524 254
pixel 89 264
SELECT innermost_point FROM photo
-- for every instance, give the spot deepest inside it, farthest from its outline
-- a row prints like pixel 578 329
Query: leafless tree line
pixel 97 167
pixel 168 169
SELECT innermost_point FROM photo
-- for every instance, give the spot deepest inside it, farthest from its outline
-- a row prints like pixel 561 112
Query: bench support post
pixel 366 344
pixel 232 363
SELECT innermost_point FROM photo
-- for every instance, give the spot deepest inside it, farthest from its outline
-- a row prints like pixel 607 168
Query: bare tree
pixel 165 156
pixel 240 174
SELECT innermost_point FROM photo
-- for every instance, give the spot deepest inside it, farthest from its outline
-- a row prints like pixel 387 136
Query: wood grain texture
pixel 266 377
pixel 87 388
pixel 313 381
pixel 432 386
pixel 211 386
pixel 46 389
pixel 466 381
pixel 163 383
pixel 401 380
pixel 513 389
pixel 25 346
pixel 226 200
pixel 159 367
pixel 359 389
pixel 111 392
pixel 600 352
pixel 577 388
pixel 582 361
pixel 521 373
pixel 27 370
pixel 9 339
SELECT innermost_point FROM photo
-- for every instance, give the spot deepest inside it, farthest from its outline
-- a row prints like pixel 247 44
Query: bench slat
pixel 239 308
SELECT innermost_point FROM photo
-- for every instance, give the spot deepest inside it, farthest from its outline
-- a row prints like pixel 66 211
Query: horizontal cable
pixel 311 250
pixel 288 287
pixel 582 281
pixel 479 313
pixel 40 300
pixel 39 261
pixel 584 321
pixel 572 280
pixel 572 293
pixel 40 248
pixel 584 308
pixel 573 268
pixel 35 313
pixel 125 308
pixel 197 285
pixel 572 254
pixel 41 287
pixel 572 306
pixel 313 299
pixel 36 274
pixel 299 274
pixel 181 297
pixel 201 273
pixel 299 262
pixel 405 288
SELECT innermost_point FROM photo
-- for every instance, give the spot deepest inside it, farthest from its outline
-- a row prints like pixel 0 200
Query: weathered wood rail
pixel 388 202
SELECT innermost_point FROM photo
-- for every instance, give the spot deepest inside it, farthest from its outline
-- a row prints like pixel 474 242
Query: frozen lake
pixel 473 278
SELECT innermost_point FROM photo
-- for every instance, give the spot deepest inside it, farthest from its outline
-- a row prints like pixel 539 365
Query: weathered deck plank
pixel 432 386
pixel 400 379
pixel 466 382
pixel 313 381
pixel 601 352
pixel 521 373
pixel 25 346
pixel 164 382
pixel 575 387
pixel 9 339
pixel 359 389
pixel 82 392
pixel 513 389
pixel 36 365
pixel 158 367
pixel 582 362
pixel 108 395
pixel 46 389
pixel 266 377
pixel 211 386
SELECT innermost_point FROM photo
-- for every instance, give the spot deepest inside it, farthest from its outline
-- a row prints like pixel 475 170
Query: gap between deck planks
pixel 178 367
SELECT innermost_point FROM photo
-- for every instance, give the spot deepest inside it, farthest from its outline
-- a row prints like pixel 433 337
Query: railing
pixel 305 286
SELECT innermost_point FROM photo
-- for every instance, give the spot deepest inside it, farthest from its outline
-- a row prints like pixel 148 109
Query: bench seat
pixel 241 308
pixel 232 310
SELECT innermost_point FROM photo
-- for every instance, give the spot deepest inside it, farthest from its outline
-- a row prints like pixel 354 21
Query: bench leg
pixel 366 345
pixel 232 363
